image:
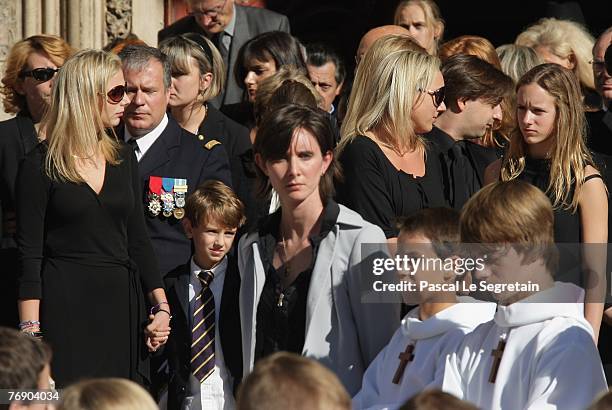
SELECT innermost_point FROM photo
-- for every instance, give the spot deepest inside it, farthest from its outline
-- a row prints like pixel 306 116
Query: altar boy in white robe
pixel 538 351
pixel 415 357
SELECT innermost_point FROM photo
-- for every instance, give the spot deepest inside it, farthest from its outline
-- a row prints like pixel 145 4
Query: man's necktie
pixel 132 142
pixel 223 42
pixel 203 332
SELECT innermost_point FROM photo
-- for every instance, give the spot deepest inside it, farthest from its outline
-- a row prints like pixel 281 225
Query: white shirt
pixel 146 141
pixel 549 361
pixel 216 390
pixel 228 32
pixel 433 340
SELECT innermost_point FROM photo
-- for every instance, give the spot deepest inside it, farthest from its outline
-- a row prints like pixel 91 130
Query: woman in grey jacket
pixel 304 270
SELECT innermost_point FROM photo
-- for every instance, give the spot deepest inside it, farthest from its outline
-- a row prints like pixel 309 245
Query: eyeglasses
pixel 214 12
pixel 598 65
pixel 436 95
pixel 116 93
pixel 40 74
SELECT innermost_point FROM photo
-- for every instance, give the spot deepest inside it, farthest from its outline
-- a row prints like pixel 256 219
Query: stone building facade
pixel 83 23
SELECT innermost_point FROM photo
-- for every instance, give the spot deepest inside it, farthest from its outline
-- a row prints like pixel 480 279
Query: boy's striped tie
pixel 203 332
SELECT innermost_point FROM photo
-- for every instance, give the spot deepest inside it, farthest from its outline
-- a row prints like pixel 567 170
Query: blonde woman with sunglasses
pixel 86 259
pixel 388 170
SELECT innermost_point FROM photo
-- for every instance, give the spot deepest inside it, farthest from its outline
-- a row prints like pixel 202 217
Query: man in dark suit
pixel 600 122
pixel 229 26
pixel 172 162
pixel 474 90
pixel 327 73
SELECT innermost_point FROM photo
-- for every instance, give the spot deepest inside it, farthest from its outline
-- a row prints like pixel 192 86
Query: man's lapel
pixel 181 290
pixel 241 35
pixel 160 152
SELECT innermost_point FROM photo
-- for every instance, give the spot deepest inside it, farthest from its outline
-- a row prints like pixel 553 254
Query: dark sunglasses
pixel 40 74
pixel 436 95
pixel 116 93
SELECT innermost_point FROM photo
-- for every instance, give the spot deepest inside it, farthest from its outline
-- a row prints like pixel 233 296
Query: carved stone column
pixel 118 19
pixel 32 17
pixel 51 17
pixel 147 19
pixel 85 28
pixel 10 16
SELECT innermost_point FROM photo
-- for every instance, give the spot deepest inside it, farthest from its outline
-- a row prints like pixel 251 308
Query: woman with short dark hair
pixel 258 59
pixel 302 273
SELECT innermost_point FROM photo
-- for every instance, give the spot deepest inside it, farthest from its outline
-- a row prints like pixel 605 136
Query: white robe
pixel 433 340
pixel 549 362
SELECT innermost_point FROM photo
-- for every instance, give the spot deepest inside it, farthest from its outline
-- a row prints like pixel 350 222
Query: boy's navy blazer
pixel 178 348
pixel 177 153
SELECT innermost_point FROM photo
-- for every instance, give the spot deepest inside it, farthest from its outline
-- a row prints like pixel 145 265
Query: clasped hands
pixel 157 331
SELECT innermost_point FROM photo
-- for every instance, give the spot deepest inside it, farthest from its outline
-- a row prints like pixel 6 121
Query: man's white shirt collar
pixel 146 141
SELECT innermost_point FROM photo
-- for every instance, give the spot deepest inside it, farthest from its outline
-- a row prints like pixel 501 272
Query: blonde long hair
pixel 569 155
pixel 564 38
pixel 384 92
pixel 433 18
pixel 73 124
pixel 106 394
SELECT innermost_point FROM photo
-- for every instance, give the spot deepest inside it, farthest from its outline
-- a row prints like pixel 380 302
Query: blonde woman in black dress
pixel 86 259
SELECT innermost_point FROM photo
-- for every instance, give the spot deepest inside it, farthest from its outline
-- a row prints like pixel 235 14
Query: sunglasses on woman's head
pixel 436 95
pixel 40 74
pixel 116 93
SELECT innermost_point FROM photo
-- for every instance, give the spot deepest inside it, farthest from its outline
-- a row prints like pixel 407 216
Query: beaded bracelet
pixel 36 335
pixel 28 324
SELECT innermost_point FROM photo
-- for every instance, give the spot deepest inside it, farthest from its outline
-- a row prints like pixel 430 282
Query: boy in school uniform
pixel 538 351
pixel 204 349
pixel 415 357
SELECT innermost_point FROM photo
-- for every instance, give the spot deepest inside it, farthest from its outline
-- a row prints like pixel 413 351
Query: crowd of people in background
pixel 193 225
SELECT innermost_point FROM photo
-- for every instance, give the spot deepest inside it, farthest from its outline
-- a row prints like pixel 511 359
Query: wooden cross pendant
pixel 497 357
pixel 404 357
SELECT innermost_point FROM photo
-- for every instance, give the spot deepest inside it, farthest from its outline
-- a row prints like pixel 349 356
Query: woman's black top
pixel 241 112
pixel 381 193
pixel 567 224
pixel 17 137
pixel 281 313
pixel 567 228
pixel 87 256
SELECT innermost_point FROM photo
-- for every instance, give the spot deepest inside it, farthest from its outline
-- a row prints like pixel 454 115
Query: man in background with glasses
pixel 26 91
pixel 600 121
pixel 229 26
pixel 473 93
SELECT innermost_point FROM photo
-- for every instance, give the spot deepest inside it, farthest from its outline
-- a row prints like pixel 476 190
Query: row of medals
pixel 168 203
